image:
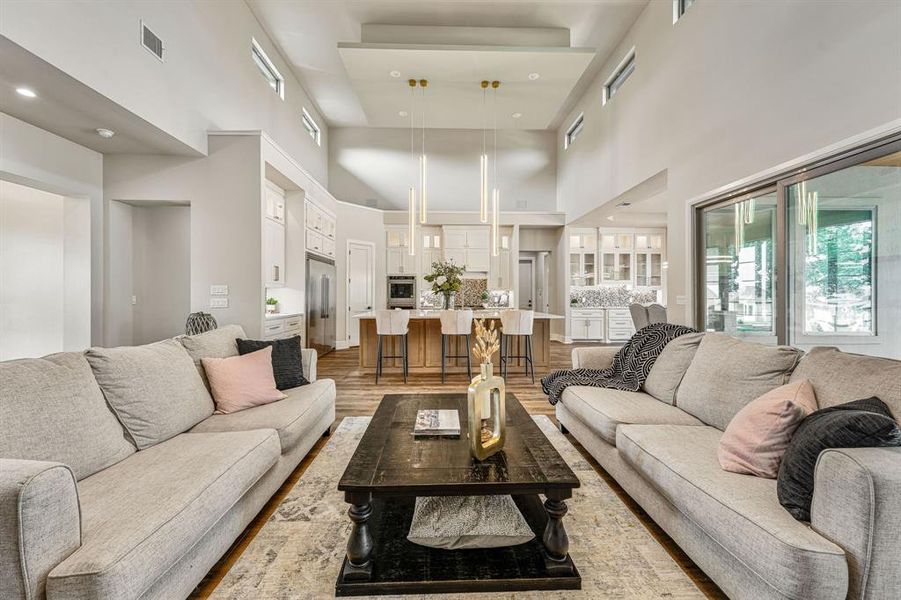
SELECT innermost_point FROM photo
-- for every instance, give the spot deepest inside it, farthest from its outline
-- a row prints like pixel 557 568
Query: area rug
pixel 298 552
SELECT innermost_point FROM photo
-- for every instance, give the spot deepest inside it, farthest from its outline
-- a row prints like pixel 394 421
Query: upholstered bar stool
pixel 394 323
pixel 517 323
pixel 656 314
pixel 639 315
pixel 456 323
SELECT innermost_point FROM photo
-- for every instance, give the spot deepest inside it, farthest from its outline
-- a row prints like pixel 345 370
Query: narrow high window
pixel 267 68
pixel 573 132
pixel 622 72
pixel 312 128
pixel 679 8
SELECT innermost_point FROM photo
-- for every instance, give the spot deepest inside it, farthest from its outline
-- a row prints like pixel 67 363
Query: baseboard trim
pixel 341 345
pixel 559 337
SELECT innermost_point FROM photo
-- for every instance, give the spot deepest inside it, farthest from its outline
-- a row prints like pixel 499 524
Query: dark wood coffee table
pixel 391 467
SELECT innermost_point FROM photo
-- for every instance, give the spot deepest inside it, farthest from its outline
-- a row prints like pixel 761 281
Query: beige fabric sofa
pixel 662 451
pixel 86 515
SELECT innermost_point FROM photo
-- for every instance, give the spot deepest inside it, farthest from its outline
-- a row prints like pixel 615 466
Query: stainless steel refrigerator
pixel 321 295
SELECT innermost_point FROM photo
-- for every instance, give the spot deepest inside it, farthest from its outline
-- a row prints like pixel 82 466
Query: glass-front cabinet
pixel 649 259
pixel 616 257
pixel 583 248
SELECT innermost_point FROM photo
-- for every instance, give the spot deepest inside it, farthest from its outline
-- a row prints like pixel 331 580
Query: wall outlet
pixel 219 290
pixel 681 300
pixel 218 302
pixel 134 300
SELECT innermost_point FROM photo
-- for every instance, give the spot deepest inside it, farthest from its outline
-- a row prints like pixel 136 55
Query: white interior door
pixel 526 292
pixel 360 286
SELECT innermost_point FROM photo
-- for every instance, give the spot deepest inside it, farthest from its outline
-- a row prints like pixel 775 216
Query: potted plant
pixel 574 302
pixel 271 306
pixel 485 297
pixel 445 279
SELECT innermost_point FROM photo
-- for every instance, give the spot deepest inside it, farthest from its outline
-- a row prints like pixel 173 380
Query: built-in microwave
pixel 401 291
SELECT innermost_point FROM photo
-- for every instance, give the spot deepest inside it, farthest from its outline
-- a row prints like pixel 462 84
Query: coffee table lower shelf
pixel 402 567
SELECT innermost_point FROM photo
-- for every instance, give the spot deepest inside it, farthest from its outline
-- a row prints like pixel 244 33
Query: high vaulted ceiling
pixel 352 86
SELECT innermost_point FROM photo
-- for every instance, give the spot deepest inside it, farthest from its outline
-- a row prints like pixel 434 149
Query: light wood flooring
pixel 358 395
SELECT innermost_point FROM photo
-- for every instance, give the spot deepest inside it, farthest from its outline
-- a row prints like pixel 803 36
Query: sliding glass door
pixel 739 240
pixel 812 259
pixel 844 258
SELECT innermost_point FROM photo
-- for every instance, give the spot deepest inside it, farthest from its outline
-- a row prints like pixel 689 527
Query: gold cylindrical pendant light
pixel 496 193
pixel 411 193
pixel 412 219
pixel 423 165
pixel 483 160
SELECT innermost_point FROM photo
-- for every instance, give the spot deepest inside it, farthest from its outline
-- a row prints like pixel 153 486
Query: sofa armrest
pixel 40 524
pixel 857 505
pixel 594 357
pixel 309 357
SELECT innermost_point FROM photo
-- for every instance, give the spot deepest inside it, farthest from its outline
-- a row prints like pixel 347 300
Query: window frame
pixel 573 131
pixel 621 74
pixel 829 163
pixel 680 7
pixel 258 54
pixel 312 128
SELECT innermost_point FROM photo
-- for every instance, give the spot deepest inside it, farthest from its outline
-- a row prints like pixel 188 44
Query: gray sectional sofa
pixel 133 488
pixel 661 443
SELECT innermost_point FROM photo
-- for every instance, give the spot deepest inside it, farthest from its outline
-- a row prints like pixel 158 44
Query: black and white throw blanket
pixel 631 364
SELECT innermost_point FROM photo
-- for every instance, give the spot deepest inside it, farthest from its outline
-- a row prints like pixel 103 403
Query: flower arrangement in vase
pixel 486 397
pixel 446 280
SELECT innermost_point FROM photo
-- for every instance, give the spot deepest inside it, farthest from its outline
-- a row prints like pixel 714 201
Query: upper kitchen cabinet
pixel 649 258
pixel 273 253
pixel 616 256
pixel 399 261
pixel 274 202
pixel 583 252
pixel 320 230
pixel 467 245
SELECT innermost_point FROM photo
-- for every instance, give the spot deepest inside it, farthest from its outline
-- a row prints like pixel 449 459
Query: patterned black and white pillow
pixel 287 364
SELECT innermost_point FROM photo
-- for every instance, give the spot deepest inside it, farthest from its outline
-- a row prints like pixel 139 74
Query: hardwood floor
pixel 358 395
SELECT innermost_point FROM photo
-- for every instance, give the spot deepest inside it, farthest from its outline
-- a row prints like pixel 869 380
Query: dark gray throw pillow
pixel 287 366
pixel 860 424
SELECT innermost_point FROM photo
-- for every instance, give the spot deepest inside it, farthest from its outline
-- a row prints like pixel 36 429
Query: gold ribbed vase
pixel 486 415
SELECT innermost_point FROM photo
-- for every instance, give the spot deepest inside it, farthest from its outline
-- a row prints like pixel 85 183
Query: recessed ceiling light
pixel 609 217
pixel 106 133
pixel 402 113
pixel 534 76
pixel 24 91
pixel 516 115
pixel 395 74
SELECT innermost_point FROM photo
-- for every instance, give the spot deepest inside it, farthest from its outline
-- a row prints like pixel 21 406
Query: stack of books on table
pixel 434 422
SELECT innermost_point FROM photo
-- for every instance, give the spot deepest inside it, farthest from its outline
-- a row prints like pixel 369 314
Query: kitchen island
pixel 424 340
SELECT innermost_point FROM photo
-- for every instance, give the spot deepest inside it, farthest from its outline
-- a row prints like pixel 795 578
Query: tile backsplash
pixel 610 296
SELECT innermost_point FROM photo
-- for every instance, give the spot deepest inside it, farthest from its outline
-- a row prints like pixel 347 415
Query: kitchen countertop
pixel 283 315
pixel 476 313
pixel 577 307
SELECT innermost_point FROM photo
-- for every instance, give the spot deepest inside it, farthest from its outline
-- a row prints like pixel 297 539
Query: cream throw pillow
pixel 241 382
pixel 758 435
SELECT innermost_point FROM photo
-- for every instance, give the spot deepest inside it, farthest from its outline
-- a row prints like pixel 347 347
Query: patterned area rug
pixel 298 552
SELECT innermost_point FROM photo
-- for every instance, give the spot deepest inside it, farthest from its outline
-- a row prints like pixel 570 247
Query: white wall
pixel 162 271
pixel 375 164
pixel 208 81
pixel 361 224
pixel 119 320
pixel 36 158
pixel 731 89
pixel 45 257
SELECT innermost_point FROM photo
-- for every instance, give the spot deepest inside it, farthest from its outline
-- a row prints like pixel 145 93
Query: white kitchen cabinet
pixel 399 262
pixel 587 325
pixel 454 239
pixel 398 238
pixel 619 325
pixel 499 275
pixel 649 258
pixel 273 253
pixel 616 257
pixel 455 255
pixel 583 251
pixel 476 237
pixel 477 260
pixel 320 230
pixel 274 202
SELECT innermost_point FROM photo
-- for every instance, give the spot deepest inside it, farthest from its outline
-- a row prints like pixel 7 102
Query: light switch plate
pixel 681 300
pixel 218 302
pixel 219 290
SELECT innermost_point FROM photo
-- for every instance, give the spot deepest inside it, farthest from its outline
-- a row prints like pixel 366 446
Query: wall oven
pixel 401 291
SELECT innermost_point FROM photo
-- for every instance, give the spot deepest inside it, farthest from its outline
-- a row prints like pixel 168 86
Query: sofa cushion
pixel 291 417
pixel 739 512
pixel 603 410
pixel 839 377
pixel 216 343
pixel 142 515
pixel 52 409
pixel 669 368
pixel 154 390
pixel 727 373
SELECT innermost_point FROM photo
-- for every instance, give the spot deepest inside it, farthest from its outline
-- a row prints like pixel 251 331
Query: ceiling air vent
pixel 151 41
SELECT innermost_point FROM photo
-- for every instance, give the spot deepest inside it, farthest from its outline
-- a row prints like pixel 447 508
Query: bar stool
pixel 392 323
pixel 517 323
pixel 455 323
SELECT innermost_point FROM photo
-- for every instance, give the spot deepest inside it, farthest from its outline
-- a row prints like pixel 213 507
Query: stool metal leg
pixel 468 362
pixel 404 341
pixel 530 363
pixel 378 360
pixel 443 354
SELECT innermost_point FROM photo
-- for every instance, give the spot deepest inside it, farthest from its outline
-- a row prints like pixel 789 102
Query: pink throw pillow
pixel 758 435
pixel 240 382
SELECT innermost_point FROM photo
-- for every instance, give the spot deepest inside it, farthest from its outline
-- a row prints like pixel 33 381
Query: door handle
pixel 275 272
